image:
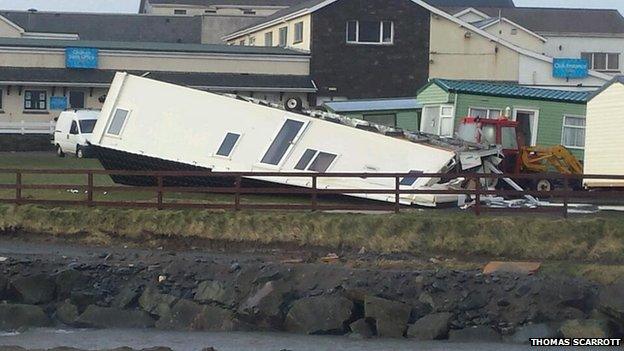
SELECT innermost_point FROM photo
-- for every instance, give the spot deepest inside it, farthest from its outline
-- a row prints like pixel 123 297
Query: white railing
pixel 25 127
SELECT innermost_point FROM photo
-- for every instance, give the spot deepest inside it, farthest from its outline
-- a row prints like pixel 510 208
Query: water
pixel 232 341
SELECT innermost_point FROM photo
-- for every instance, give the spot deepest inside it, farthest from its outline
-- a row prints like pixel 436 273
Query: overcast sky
pixel 132 5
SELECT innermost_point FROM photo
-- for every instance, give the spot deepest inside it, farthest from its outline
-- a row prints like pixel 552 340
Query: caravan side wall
pixel 189 126
pixel 604 140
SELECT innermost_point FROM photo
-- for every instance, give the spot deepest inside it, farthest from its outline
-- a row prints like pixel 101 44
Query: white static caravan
pixel 604 131
pixel 151 125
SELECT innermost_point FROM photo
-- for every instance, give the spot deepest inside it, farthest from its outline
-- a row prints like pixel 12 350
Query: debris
pixel 3 259
pixel 330 258
pixel 161 278
pixel 362 250
pixel 512 267
pixel 292 260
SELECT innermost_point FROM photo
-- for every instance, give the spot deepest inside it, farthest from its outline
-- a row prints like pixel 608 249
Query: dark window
pixel 1 98
pixel 409 181
pixel 322 162
pixel 242 42
pixel 282 142
pixel 210 11
pixel 118 122
pixel 35 100
pixel 613 62
pixel 352 31
pixel 74 128
pixel 76 99
pixel 268 39
pixel 601 61
pixel 283 36
pixel 228 144
pixel 298 32
pixel 588 57
pixel 370 32
pixel 249 12
pixel 305 159
pixel 87 126
pixel 179 12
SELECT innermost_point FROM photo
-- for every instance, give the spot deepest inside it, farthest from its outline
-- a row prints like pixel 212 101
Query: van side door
pixel 72 137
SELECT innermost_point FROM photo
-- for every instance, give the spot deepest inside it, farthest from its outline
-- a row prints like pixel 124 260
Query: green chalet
pixel 546 116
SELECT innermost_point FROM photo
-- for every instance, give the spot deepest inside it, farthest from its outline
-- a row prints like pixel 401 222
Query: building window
pixel 249 12
pixel 316 161
pixel 282 142
pixel 283 36
pixel 1 95
pixel 370 32
pixel 242 42
pixel 488 113
pixel 210 11
pixel 268 39
pixel 573 132
pixel 35 100
pixel 77 99
pixel 298 32
pixel 601 61
pixel 119 119
pixel 252 41
pixel 227 146
pixel 387 119
pixel 179 12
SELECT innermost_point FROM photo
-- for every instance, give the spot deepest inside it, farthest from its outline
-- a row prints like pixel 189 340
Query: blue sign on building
pixel 58 103
pixel 570 68
pixel 81 57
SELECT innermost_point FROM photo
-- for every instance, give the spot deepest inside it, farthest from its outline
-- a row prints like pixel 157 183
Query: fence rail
pixel 25 127
pixel 162 184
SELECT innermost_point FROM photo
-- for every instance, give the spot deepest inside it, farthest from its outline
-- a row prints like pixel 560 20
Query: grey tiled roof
pixel 229 2
pixel 217 81
pixel 112 27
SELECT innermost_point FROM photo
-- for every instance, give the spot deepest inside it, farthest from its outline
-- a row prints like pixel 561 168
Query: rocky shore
pixel 294 292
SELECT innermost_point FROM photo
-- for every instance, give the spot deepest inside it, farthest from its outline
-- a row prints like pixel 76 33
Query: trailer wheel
pixel 544 185
pixel 293 104
pixel 59 151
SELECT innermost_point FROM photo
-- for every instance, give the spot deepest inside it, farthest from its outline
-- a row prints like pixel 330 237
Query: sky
pixel 131 6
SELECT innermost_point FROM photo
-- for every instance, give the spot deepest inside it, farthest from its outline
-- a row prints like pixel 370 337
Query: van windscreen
pixel 87 125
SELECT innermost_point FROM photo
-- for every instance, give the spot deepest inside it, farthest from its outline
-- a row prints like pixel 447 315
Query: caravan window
pixel 282 142
pixel 118 122
pixel 322 162
pixel 305 160
pixel 228 144
pixel 409 181
pixel 313 160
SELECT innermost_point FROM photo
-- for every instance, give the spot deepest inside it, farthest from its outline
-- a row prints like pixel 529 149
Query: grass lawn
pixel 41 160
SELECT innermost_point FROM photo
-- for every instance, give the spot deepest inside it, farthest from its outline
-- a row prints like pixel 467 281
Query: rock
pixel 211 290
pixel 512 267
pixel 156 303
pixel 319 315
pixel 36 289
pixel 66 313
pixel 267 303
pixel 17 316
pixel 4 284
pixel 584 328
pixel 481 334
pixel 126 297
pixel 361 329
pixel 68 281
pixel 181 316
pixel 474 301
pixel 390 317
pixel 524 333
pixel 111 317
pixel 611 302
pixel 215 319
pixel 430 327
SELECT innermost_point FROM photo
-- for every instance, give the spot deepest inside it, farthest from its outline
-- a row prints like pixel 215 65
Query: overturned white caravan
pixel 151 125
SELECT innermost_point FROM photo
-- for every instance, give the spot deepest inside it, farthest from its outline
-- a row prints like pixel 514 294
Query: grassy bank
pixel 584 239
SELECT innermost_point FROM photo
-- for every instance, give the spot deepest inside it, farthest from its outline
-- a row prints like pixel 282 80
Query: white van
pixel 73 131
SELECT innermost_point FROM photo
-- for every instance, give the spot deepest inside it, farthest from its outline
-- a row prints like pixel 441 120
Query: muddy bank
pixel 52 285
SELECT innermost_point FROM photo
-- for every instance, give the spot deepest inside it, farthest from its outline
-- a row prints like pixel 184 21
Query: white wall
pixel 571 47
pixel 537 72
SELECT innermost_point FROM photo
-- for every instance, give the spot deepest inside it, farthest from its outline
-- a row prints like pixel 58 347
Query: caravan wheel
pixel 79 152
pixel 293 104
pixel 544 185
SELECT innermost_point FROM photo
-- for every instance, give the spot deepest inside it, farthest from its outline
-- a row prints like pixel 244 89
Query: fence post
pixel 18 188
pixel 160 192
pixel 478 195
pixel 566 189
pixel 397 194
pixel 314 193
pixel 90 188
pixel 237 195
